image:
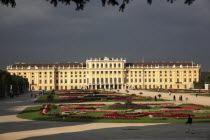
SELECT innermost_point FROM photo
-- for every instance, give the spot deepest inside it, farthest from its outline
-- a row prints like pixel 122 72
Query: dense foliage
pixel 19 84
pixel 204 79
pixel 80 4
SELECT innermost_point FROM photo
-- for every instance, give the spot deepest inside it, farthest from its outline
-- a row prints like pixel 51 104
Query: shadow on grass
pixel 43 99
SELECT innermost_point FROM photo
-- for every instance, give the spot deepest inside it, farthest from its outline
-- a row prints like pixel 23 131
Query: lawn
pixel 33 113
pixel 74 96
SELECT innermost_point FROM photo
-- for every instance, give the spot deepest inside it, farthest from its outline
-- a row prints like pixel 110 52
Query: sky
pixel 37 32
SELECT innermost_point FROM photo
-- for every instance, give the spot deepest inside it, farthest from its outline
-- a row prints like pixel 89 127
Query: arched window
pixel 97 65
pixel 110 65
pixel 101 65
pixel 119 65
pixel 93 65
pixel 114 65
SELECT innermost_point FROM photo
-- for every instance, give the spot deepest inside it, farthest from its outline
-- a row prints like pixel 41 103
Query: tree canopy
pixel 80 4
pixel 19 84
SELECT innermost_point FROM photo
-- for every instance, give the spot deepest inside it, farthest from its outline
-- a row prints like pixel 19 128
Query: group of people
pixel 35 94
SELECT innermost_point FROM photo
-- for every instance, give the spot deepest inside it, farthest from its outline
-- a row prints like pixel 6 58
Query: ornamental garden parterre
pixel 123 109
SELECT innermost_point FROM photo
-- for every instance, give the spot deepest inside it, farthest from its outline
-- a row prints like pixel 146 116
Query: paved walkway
pixel 191 98
pixel 13 128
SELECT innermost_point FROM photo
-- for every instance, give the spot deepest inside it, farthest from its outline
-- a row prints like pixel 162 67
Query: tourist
pixel 155 98
pixel 181 98
pixel 174 98
pixel 31 95
pixel 169 93
pixel 186 99
pixel 196 95
pixel 34 95
pixel 189 121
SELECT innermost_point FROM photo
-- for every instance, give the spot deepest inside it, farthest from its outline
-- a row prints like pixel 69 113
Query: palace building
pixel 108 73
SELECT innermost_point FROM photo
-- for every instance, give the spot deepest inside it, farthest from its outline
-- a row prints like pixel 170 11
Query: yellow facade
pixel 108 74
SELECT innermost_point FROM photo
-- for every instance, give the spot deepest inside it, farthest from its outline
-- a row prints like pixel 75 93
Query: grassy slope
pixel 33 114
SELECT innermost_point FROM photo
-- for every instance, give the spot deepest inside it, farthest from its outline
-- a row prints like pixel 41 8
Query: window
pixel 65 80
pixel 115 65
pixel 50 81
pixel 40 81
pixel 45 81
pixel 160 79
pixel 119 80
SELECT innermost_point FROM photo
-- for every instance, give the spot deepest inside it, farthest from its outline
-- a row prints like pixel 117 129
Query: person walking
pixel 169 93
pixel 31 95
pixel 174 98
pixel 196 95
pixel 186 99
pixel 188 123
pixel 155 98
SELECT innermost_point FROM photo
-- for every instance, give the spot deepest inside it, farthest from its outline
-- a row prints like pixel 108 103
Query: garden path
pixel 191 98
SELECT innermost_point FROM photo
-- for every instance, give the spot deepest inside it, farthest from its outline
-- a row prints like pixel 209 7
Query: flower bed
pixel 44 109
pixel 128 106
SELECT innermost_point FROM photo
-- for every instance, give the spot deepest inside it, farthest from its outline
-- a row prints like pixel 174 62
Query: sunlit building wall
pixel 108 73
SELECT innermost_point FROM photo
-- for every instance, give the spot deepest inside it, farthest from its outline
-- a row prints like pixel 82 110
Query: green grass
pixel 33 113
pixel 43 99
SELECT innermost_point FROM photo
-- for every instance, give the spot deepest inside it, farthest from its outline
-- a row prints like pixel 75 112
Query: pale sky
pixel 36 32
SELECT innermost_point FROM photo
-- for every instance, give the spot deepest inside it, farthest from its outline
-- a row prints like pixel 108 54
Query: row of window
pixel 110 72
pixel 161 80
pixel 105 65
